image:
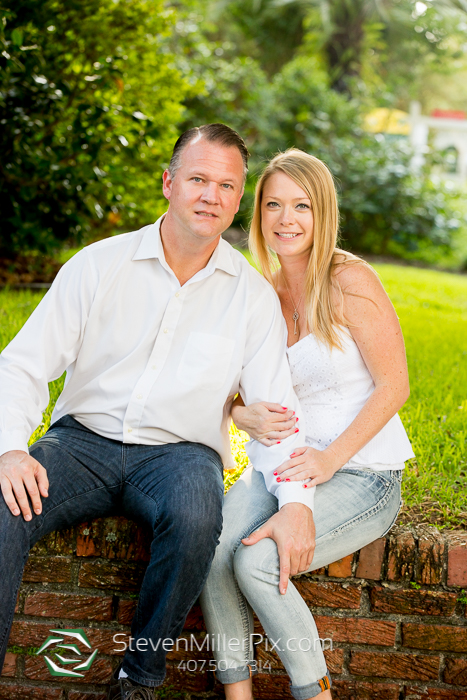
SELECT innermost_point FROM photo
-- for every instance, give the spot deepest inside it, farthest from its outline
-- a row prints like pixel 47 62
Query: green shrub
pixel 88 104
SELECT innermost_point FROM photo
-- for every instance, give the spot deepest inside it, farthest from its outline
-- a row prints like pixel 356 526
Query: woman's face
pixel 286 216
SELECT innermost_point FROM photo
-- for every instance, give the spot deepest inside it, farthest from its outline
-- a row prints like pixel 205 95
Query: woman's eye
pixel 302 206
pixel 272 204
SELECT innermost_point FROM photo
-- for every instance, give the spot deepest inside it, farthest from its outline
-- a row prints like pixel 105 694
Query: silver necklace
pixel 295 315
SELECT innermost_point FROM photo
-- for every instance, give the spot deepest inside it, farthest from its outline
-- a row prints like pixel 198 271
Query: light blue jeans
pixel 352 509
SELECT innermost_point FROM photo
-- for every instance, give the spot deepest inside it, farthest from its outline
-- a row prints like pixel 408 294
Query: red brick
pixel 195 620
pixel 117 575
pixel 32 634
pixel 47 569
pixel 103 639
pixel 9 665
pixel 342 568
pixel 361 690
pixel 29 692
pixel 271 687
pixel 56 542
pixel 113 538
pixel 434 637
pixel 334 660
pixel 329 594
pixel 69 606
pixel 427 693
pixel 371 559
pixel 457 559
pixel 455 671
pixel 402 554
pixel 356 630
pixel 431 549
pixel 77 695
pixel 405 601
pixel 126 611
pixel 28 634
pixel 100 671
pixel 396 665
pixel 185 681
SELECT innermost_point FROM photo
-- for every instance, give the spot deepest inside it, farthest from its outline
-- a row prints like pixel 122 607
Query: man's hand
pixel 293 530
pixel 20 475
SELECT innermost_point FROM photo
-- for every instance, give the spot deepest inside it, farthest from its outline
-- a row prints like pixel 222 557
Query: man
pixel 157 330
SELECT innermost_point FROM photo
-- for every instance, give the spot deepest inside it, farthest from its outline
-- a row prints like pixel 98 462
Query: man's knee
pixel 14 530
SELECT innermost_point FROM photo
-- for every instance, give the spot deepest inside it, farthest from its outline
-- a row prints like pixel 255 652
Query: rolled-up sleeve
pixel 266 377
pixel 46 345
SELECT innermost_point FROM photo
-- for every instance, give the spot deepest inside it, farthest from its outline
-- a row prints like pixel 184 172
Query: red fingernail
pixel 287 479
pixel 284 408
pixel 305 486
pixel 293 454
pixel 278 442
pixel 296 419
pixel 275 473
pixel 278 478
pixel 296 430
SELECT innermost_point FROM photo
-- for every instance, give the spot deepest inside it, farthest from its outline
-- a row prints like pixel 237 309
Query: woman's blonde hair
pixel 313 176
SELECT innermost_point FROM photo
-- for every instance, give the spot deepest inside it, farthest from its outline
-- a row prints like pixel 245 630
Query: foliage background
pixel 93 94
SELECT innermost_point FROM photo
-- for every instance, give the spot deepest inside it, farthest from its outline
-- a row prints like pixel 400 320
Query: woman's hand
pixel 268 423
pixel 308 463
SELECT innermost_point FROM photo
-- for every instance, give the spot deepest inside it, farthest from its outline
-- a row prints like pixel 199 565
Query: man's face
pixel 206 190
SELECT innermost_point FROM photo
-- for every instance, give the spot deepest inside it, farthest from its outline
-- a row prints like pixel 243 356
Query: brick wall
pixel 396 612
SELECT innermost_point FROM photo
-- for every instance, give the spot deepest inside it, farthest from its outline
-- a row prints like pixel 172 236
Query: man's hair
pixel 214 133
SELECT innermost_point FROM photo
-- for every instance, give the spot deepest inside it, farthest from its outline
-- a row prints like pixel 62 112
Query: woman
pixel 347 359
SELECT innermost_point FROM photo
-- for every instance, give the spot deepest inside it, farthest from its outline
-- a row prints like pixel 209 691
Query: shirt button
pixel 177 294
pixel 153 366
pixel 140 396
pixel 130 430
pixel 166 330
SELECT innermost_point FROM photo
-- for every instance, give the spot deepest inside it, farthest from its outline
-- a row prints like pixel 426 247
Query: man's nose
pixel 210 193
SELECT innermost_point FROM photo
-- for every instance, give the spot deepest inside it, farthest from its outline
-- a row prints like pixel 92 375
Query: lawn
pixel 432 307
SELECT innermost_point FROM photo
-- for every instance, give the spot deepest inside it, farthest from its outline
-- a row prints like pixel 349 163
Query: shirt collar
pixel 151 247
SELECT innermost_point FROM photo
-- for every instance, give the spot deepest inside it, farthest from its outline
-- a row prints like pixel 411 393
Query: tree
pixel 89 102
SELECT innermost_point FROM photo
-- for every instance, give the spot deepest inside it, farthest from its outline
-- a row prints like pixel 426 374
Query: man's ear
pixel 239 200
pixel 167 182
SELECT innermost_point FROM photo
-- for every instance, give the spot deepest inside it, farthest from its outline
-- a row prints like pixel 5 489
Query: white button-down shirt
pixel 148 361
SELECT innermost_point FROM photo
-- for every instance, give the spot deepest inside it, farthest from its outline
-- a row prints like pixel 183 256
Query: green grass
pixel 432 307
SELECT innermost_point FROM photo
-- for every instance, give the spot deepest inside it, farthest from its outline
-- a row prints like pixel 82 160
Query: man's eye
pixel 227 186
pixel 197 179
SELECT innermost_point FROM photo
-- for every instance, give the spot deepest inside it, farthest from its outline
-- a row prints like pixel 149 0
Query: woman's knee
pixel 259 561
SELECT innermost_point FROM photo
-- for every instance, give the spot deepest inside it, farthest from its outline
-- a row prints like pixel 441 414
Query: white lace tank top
pixel 333 386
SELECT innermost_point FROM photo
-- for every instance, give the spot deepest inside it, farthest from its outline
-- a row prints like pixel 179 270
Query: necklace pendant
pixel 295 318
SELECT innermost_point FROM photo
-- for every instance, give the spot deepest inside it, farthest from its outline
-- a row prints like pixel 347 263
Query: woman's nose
pixel 287 215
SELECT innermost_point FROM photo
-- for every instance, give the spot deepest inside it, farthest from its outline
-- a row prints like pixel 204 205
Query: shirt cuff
pixel 293 492
pixel 13 441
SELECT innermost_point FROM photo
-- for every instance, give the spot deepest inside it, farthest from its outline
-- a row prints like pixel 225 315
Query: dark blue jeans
pixel 176 490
